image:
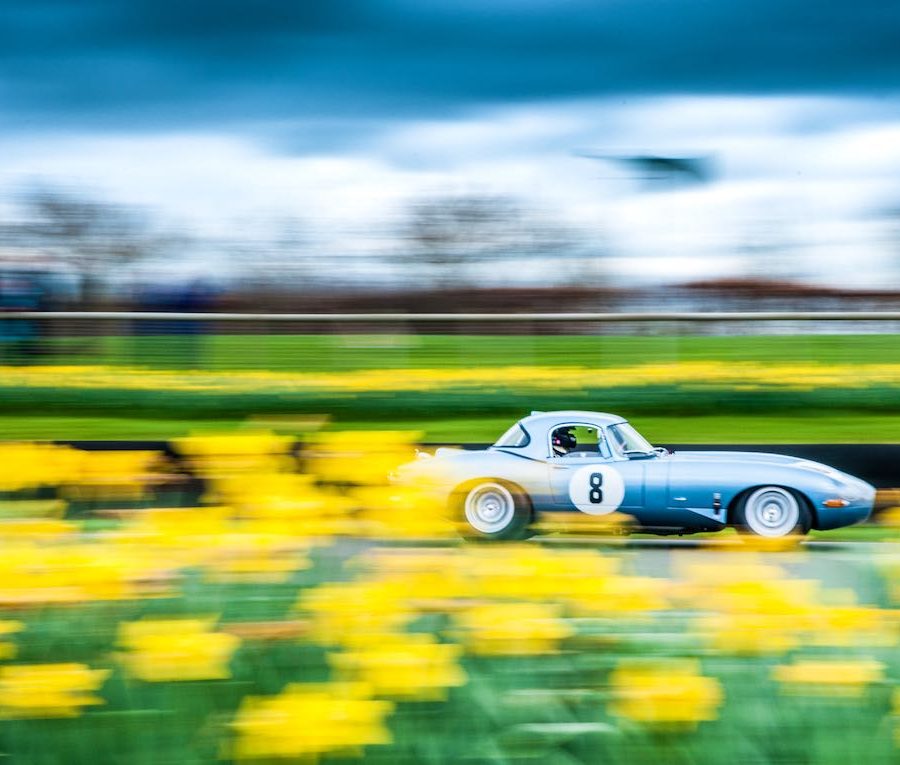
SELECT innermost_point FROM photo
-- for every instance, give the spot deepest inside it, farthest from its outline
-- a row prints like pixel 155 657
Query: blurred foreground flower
pixel 664 693
pixel 749 588
pixel 530 572
pixel 8 648
pixel 749 634
pixel 37 529
pixel 260 558
pixel 829 677
pixel 355 612
pixel 30 466
pixel 237 453
pixel 404 666
pixel 402 511
pixel 851 626
pixel 75 573
pixel 622 596
pixel 48 690
pixel 105 475
pixel 171 650
pixel 304 721
pixel 362 458
pixel 513 629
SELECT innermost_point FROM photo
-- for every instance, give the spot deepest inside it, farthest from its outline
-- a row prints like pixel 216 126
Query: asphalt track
pixel 730 544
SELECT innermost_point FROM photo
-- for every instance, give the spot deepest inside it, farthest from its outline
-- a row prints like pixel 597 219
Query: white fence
pixel 664 316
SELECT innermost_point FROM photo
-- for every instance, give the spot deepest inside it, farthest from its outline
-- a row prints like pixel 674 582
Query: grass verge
pixel 838 427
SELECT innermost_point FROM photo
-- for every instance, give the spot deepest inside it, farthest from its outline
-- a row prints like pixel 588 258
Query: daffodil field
pixel 380 378
pixel 301 609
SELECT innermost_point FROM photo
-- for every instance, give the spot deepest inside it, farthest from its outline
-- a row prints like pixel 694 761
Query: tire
pixel 772 512
pixel 492 509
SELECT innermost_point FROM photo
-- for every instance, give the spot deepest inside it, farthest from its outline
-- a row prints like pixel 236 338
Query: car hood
pixel 782 460
pixel 727 456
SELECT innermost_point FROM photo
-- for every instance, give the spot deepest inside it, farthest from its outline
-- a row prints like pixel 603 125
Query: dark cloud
pixel 155 63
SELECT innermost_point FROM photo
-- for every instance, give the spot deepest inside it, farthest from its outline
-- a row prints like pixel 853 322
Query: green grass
pixel 844 427
pixel 663 413
pixel 868 532
pixel 327 352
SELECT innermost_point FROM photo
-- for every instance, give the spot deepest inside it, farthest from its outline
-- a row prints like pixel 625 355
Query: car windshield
pixel 628 439
pixel 515 437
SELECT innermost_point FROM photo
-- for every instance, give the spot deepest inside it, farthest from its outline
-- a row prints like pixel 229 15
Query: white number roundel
pixel 597 489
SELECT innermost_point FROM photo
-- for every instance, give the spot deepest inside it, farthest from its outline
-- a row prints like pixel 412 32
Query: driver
pixel 563 441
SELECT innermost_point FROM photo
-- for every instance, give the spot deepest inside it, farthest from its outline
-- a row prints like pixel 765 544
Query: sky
pixel 224 117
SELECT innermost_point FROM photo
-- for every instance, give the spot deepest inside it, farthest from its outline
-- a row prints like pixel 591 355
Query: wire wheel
pixel 490 508
pixel 771 512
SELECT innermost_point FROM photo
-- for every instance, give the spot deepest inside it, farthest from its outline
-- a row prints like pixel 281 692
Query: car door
pixel 593 478
pixel 692 494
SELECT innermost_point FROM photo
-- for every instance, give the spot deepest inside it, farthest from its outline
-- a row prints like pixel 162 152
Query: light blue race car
pixel 598 464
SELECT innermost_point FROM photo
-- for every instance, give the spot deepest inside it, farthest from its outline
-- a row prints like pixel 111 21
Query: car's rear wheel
pixel 772 512
pixel 493 509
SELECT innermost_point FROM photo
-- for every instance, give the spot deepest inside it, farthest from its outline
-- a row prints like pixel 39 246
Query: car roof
pixel 546 419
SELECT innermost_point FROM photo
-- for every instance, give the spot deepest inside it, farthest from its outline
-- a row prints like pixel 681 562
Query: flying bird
pixel 658 169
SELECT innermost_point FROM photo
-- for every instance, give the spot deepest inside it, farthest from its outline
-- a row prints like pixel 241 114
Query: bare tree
pixel 94 237
pixel 445 236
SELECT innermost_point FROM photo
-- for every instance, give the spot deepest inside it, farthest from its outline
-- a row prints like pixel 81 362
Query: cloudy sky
pixel 226 115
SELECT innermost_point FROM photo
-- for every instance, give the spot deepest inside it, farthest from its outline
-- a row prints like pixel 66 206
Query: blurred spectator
pixel 21 290
pixel 176 342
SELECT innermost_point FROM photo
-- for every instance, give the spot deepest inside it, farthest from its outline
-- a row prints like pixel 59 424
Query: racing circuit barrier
pixel 221 340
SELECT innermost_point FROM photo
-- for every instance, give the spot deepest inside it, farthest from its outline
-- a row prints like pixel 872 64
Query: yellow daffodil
pixel 534 573
pixel 364 458
pixel 664 693
pixel 32 573
pixel 403 666
pixel 622 595
pixel 172 650
pixel 512 629
pixel 851 626
pixel 354 611
pixel 7 647
pixel 48 690
pixel 402 512
pixel 705 375
pixel 749 634
pixel 105 475
pixel 829 677
pixel 253 557
pixel 30 466
pixel 304 721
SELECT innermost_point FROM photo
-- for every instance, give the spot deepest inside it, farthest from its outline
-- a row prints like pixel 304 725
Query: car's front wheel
pixel 772 511
pixel 493 509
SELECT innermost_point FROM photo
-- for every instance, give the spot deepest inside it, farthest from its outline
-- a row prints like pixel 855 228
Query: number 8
pixel 595 495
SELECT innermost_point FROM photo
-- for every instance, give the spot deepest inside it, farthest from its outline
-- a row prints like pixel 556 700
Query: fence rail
pixel 690 316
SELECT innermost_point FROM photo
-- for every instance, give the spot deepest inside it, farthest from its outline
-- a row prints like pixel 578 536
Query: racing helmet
pixel 563 441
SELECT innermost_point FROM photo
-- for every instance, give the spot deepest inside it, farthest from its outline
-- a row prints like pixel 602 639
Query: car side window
pixel 575 441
